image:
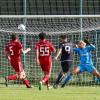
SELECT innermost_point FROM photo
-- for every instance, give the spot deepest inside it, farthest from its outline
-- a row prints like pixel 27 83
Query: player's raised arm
pixel 81 44
pixel 87 42
pixel 89 45
pixel 26 50
pixel 75 48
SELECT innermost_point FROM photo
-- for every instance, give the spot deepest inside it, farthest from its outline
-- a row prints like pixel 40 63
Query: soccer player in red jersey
pixel 43 57
pixel 13 52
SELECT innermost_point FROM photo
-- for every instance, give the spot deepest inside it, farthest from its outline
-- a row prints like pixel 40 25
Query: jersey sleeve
pixel 52 48
pixel 76 50
pixel 60 45
pixel 91 47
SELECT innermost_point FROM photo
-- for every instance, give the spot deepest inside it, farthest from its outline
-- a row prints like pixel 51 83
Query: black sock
pixel 59 79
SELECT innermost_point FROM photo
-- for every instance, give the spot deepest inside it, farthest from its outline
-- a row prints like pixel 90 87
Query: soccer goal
pixel 76 27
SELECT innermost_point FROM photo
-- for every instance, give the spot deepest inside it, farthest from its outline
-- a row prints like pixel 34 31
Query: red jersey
pixel 45 48
pixel 14 49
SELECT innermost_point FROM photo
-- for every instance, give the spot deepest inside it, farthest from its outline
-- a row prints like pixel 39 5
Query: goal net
pixel 76 27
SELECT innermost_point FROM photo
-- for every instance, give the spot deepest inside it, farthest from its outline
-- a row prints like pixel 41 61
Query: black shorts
pixel 66 65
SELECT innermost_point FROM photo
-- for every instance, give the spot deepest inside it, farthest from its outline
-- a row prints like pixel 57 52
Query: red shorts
pixel 46 67
pixel 17 65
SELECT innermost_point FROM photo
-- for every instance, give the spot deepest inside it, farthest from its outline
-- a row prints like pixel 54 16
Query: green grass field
pixel 68 93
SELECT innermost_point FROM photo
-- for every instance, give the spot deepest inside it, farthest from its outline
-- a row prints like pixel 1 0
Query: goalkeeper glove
pixel 87 42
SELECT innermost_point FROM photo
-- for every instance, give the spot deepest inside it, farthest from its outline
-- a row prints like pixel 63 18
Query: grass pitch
pixel 67 93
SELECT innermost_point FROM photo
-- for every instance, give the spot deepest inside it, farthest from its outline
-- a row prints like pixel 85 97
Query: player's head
pixel 63 38
pixel 82 44
pixel 13 36
pixel 42 36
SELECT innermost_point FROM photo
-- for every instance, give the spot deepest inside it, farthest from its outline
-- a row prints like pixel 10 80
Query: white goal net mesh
pixel 49 24
pixel 75 27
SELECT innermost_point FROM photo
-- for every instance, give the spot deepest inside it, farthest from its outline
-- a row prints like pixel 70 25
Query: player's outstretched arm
pixel 26 50
pixel 91 46
pixel 87 42
pixel 58 53
pixel 75 48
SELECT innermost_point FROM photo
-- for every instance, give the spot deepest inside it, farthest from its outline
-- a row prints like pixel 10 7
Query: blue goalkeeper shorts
pixel 89 68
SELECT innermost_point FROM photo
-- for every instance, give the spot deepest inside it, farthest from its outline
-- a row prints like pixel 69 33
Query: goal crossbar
pixel 49 23
pixel 49 16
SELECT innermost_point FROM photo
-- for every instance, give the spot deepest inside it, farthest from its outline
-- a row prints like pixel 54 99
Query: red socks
pixel 27 83
pixel 47 82
pixel 13 77
pixel 45 79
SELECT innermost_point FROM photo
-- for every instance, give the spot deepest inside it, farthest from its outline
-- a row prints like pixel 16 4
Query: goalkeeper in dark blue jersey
pixel 84 51
pixel 66 51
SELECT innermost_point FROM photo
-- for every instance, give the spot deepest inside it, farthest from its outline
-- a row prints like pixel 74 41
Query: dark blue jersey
pixel 67 51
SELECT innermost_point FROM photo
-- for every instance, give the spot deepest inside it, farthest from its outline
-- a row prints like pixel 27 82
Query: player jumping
pixel 13 52
pixel 86 63
pixel 66 51
pixel 43 57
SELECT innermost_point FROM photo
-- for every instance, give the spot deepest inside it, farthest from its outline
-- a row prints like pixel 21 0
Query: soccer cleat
pixel 40 85
pixel 97 80
pixel 63 85
pixel 49 87
pixel 29 86
pixel 67 79
pixel 6 81
pixel 55 86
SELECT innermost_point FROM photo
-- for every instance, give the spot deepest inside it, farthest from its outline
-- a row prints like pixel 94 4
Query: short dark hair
pixel 42 35
pixel 13 36
pixel 63 36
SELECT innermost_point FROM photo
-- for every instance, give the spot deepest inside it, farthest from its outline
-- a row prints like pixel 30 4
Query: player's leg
pixel 45 80
pixel 93 70
pixel 47 73
pixel 11 77
pixel 48 80
pixel 22 75
pixel 65 68
pixel 69 65
pixel 59 79
pixel 76 70
pixel 96 73
pixel 69 76
pixel 46 77
pixel 14 64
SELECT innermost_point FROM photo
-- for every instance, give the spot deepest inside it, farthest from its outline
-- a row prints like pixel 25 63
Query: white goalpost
pixel 53 25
